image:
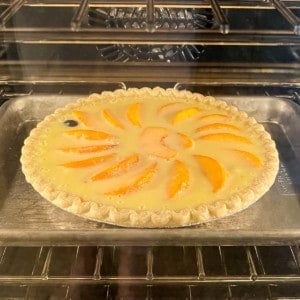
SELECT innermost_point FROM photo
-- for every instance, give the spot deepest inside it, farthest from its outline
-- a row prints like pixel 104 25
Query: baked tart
pixel 150 158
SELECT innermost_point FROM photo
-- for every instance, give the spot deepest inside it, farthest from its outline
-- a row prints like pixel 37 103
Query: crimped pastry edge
pixel 148 218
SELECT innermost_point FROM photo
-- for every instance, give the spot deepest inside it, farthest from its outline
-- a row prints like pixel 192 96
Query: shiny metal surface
pixel 235 23
pixel 208 272
pixel 27 219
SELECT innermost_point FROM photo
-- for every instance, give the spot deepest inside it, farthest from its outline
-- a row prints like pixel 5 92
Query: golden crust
pixel 144 218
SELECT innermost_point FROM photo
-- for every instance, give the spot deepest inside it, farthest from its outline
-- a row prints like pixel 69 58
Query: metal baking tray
pixel 28 219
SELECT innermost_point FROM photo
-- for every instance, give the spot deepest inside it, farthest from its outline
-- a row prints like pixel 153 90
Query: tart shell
pixel 147 218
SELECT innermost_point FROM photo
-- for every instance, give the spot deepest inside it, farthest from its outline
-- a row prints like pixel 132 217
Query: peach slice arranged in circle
pixel 82 117
pixel 185 114
pixel 213 117
pixel 251 158
pixel 88 149
pixel 133 114
pixel 118 168
pixel 229 137
pixel 179 178
pixel 87 162
pixel 217 126
pixel 214 172
pixel 107 115
pixel 167 107
pixel 142 178
pixel 89 134
pixel 152 141
pixel 185 140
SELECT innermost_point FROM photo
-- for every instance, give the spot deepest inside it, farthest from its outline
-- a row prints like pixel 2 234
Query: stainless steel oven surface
pixel 245 52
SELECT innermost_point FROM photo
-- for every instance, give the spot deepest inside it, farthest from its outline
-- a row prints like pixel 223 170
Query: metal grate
pixel 244 42
pixel 167 19
pixel 174 18
pixel 161 53
pixel 184 272
pixel 273 22
pixel 10 91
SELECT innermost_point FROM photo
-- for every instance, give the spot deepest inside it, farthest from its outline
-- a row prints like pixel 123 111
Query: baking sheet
pixel 28 219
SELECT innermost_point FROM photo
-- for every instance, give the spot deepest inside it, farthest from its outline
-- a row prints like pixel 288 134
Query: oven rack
pixel 234 23
pixel 82 72
pixel 260 272
pixel 15 90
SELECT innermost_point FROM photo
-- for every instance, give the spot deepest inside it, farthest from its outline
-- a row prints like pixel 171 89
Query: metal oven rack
pixel 150 273
pixel 70 46
pixel 152 37
pixel 75 28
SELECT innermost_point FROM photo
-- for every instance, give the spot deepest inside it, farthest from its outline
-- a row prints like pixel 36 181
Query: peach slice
pixel 144 177
pixel 185 114
pixel 118 168
pixel 217 126
pixel 185 140
pixel 82 117
pixel 87 162
pixel 166 107
pixel 133 114
pixel 88 149
pixel 224 137
pixel 213 171
pixel 251 158
pixel 179 178
pixel 89 134
pixel 213 117
pixel 111 119
pixel 152 142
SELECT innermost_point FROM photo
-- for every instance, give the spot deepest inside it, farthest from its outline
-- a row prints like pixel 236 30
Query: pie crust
pixel 181 109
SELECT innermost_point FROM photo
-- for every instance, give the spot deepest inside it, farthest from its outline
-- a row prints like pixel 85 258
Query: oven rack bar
pixel 80 72
pixel 14 90
pixel 106 265
pixel 32 280
pixel 160 3
pixel 269 271
pixel 113 36
pixel 74 25
pixel 143 282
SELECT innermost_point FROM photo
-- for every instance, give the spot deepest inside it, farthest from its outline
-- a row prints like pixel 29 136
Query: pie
pixel 150 158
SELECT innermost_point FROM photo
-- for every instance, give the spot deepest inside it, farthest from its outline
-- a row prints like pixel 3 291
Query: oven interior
pixel 51 48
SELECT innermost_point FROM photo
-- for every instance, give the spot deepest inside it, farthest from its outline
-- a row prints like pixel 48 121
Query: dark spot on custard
pixel 71 123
